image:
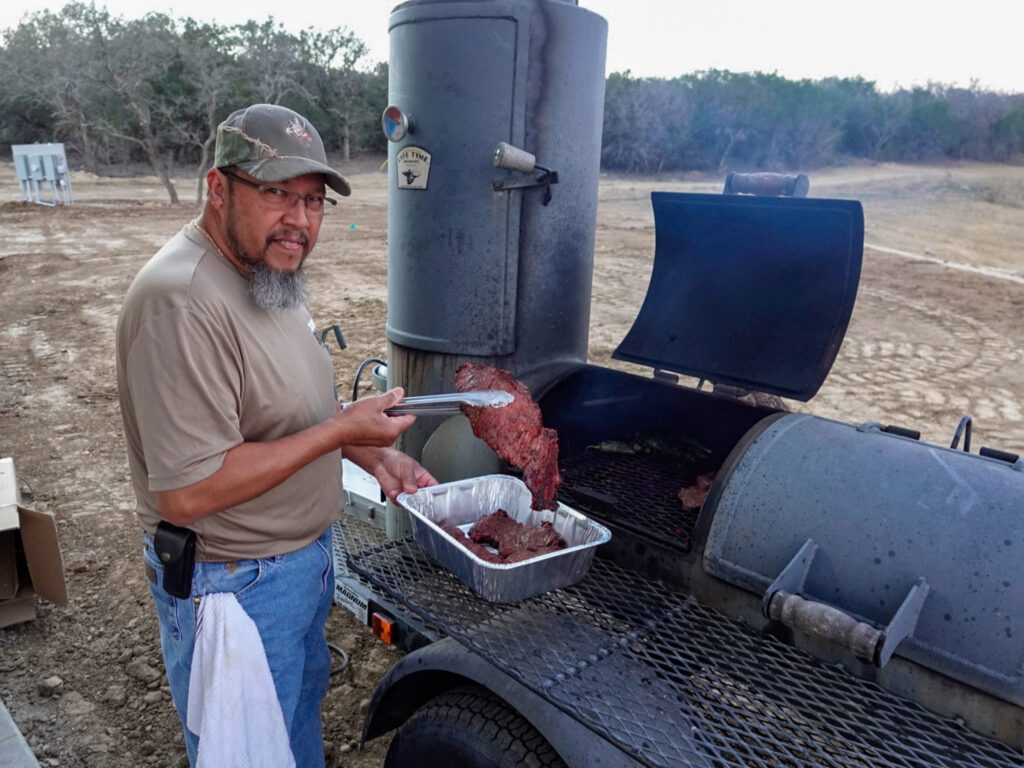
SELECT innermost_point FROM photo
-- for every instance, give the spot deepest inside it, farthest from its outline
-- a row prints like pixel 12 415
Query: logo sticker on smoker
pixel 413 167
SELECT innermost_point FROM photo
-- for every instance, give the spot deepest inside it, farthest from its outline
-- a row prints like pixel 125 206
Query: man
pixel 230 417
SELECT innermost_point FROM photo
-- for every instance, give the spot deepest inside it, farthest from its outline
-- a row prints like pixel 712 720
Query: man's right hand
pixel 365 422
pixel 252 468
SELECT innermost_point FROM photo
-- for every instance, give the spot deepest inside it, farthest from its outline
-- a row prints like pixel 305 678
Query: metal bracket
pixel 728 390
pixel 783 603
pixel 793 576
pixel 540 177
pixel 338 336
pixel 903 623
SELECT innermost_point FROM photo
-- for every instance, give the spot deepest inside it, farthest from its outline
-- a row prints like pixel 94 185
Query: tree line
pixel 716 120
pixel 153 90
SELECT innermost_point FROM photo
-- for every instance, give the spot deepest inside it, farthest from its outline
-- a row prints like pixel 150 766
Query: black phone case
pixel 176 549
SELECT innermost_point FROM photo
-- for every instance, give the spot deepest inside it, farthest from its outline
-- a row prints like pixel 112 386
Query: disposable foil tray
pixel 463 502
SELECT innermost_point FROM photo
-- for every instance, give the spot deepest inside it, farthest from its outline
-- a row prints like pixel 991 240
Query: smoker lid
pixel 755 292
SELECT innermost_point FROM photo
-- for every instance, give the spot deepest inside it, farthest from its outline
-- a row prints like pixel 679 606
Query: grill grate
pixel 638 492
pixel 669 681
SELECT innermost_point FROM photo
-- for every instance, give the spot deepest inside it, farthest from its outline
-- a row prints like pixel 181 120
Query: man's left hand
pixel 395 472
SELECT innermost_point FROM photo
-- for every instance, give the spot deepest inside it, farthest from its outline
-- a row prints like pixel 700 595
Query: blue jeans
pixel 287 597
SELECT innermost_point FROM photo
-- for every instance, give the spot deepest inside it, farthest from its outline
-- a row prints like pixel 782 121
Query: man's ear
pixel 216 187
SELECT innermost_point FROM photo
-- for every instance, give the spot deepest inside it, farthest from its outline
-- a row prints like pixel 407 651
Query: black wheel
pixel 469 727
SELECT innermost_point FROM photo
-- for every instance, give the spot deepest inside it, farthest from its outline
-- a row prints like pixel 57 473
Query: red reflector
pixel 384 628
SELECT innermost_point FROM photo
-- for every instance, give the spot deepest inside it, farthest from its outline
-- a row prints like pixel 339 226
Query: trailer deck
pixel 667 680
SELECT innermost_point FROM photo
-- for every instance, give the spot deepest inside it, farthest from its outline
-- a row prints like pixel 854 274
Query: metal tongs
pixel 450 404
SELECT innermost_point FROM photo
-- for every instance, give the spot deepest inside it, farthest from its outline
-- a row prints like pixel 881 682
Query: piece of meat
pixel 514 541
pixel 515 432
pixel 510 537
pixel 692 496
pixel 477 549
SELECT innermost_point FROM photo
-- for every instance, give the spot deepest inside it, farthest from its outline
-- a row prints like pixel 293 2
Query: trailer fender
pixel 445 664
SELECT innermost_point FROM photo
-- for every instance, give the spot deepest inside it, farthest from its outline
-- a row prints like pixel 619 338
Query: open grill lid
pixel 755 292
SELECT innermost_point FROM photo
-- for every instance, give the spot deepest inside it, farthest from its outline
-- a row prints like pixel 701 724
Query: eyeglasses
pixel 283 199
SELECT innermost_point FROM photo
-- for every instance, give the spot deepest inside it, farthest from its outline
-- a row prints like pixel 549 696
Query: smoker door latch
pixel 540 177
pixel 820 621
pixel 514 159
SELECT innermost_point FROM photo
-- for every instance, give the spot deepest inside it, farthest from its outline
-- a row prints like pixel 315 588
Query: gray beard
pixel 272 289
pixel 268 288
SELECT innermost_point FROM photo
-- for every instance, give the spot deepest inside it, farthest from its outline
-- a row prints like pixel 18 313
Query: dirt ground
pixel 929 341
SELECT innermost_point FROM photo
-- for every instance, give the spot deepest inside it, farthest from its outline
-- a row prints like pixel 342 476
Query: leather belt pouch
pixel 176 549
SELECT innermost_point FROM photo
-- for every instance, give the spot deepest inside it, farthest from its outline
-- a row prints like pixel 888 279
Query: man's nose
pixel 297 213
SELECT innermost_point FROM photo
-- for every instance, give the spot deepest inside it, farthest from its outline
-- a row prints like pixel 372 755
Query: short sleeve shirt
pixel 201 369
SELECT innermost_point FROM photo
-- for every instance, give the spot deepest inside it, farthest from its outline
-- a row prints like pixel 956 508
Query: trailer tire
pixel 469 727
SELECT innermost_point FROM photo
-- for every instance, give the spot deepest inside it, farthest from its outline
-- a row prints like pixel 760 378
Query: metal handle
pixel 893 429
pixel 768 184
pixel 821 621
pixel 963 429
pixel 412 409
pixel 513 158
pixel 995 453
pixel 338 335
pixel 825 622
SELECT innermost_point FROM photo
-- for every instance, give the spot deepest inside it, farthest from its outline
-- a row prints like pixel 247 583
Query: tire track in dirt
pixel 934 365
pixel 986 271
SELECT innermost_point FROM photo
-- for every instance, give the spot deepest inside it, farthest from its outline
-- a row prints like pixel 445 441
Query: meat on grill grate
pixel 693 496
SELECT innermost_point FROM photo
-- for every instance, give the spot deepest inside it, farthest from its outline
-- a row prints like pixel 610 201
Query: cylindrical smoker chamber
pixel 476 272
pixel 884 511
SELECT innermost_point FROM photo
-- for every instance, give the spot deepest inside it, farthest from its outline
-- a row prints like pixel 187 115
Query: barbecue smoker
pixel 845 596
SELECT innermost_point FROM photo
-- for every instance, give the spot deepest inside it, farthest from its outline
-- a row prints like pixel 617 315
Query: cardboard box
pixel 30 559
pixel 10 498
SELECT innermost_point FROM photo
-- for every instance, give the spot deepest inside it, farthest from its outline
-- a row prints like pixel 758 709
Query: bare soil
pixel 929 342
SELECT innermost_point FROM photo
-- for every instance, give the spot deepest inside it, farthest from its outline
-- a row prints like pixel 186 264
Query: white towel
pixel 232 702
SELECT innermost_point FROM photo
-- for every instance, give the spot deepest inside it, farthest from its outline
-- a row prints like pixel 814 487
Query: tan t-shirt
pixel 200 369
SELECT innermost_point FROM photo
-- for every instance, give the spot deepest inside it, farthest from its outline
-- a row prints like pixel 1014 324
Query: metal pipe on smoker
pixel 770 184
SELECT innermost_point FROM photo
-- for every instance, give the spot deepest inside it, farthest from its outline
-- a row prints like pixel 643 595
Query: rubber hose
pixel 359 373
pixel 344 659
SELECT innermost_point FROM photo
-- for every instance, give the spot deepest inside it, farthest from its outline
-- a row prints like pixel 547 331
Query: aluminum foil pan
pixel 463 502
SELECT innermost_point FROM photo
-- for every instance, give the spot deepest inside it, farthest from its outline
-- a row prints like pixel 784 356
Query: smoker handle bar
pixel 821 621
pixel 825 622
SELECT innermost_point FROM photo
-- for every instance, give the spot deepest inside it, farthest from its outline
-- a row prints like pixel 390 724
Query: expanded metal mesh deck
pixel 638 492
pixel 669 681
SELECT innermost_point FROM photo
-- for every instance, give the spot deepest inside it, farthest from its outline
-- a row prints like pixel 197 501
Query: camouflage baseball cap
pixel 273 143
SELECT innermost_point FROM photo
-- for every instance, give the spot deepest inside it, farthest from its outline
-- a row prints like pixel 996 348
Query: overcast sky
pixel 896 43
